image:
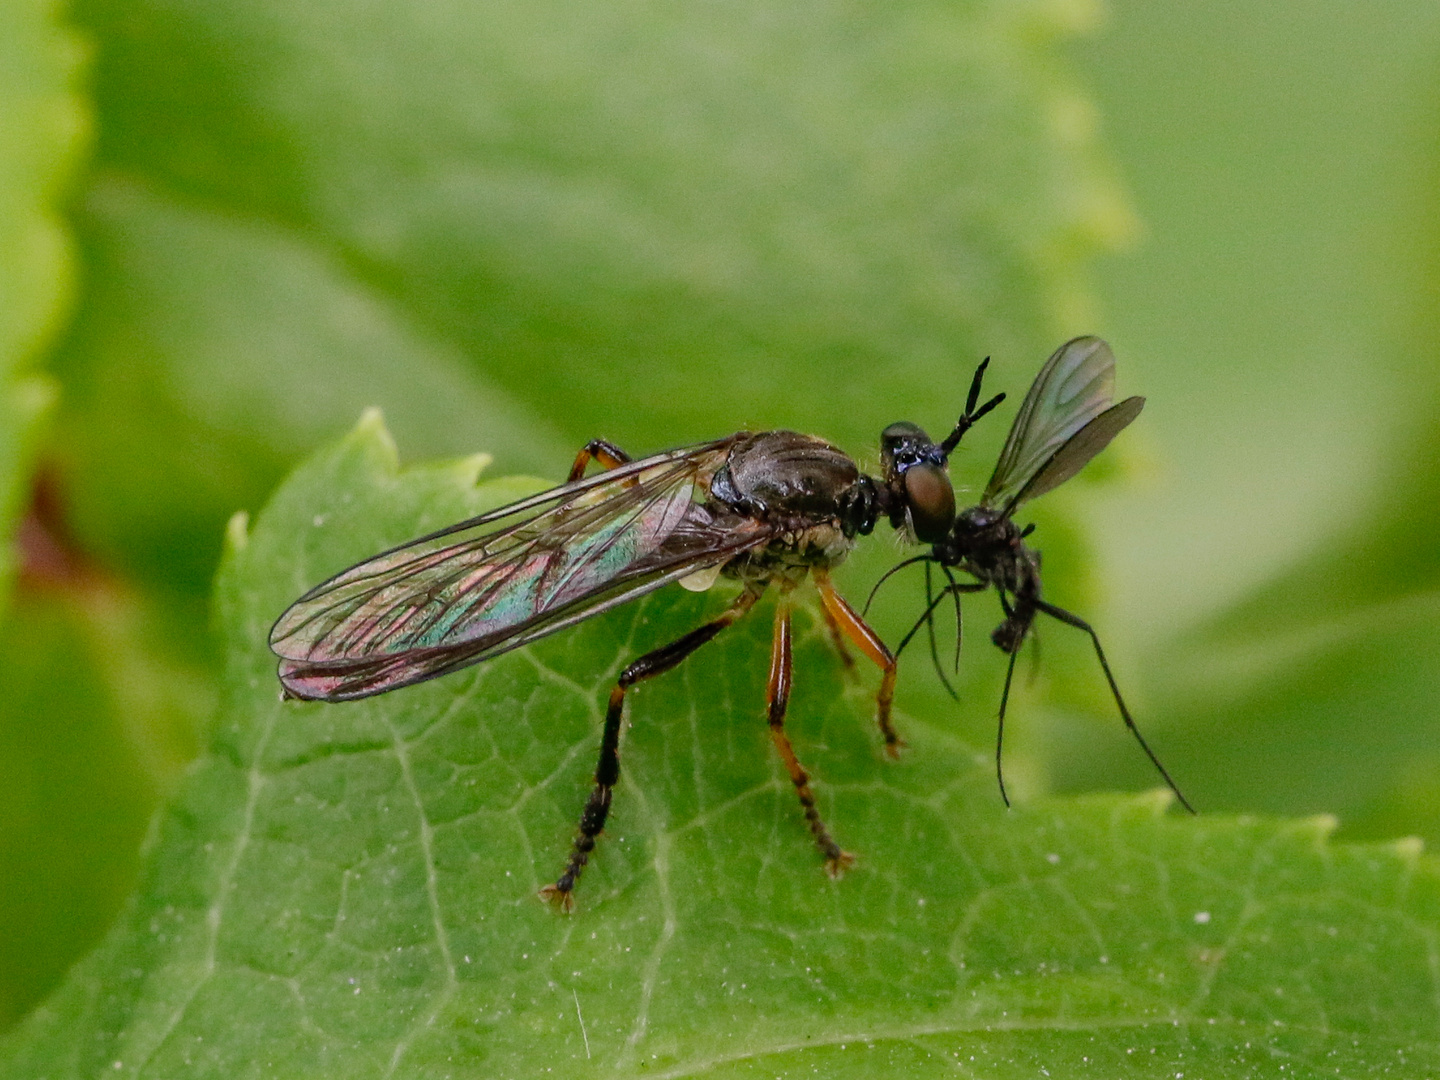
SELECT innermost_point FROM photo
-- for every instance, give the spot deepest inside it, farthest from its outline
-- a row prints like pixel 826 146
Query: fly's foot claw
pixel 562 899
pixel 837 863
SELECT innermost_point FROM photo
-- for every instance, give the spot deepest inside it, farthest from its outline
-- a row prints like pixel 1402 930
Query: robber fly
pixel 768 508
pixel 1066 419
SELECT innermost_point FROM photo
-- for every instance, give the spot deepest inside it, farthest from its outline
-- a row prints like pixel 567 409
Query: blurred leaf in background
pixel 43 124
pixel 1281 314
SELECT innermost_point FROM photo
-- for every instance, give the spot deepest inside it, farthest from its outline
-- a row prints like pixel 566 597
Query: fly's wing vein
pixel 448 599
pixel 1077 451
pixel 1075 386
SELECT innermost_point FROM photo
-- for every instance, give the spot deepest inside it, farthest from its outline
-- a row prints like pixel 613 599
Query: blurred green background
pixel 228 228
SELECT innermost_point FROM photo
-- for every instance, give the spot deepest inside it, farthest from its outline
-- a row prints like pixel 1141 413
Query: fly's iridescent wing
pixel 1066 419
pixel 507 577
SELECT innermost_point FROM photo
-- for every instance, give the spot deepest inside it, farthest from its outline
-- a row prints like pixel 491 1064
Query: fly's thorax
pixel 987 543
pixel 977 529
pixel 786 473
pixel 982 519
pixel 798 481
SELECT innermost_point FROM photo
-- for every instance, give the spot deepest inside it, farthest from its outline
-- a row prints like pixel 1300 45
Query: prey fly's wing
pixel 507 577
pixel 1077 451
pixel 1066 419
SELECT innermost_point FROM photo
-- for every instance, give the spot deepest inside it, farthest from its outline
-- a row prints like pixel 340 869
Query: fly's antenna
pixel 890 573
pixel 971 414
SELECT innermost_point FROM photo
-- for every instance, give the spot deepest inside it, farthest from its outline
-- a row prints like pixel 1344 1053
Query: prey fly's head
pixel 1068 416
pixel 917 482
pixel 918 495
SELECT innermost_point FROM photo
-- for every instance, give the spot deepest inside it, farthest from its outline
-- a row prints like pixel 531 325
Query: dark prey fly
pixel 767 508
pixel 1065 420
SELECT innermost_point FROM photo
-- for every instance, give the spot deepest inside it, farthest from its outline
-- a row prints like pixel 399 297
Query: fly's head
pixel 918 496
pixel 860 507
pixel 916 490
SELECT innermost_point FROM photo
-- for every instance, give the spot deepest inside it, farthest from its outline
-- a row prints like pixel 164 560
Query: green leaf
pixel 210 354
pixel 350 890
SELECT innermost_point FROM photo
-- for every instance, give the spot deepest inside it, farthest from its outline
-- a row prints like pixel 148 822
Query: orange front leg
pixel 777 697
pixel 607 771
pixel 837 637
pixel 606 453
pixel 868 642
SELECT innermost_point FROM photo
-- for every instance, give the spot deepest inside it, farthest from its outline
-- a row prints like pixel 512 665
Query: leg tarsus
pixel 597 806
pixel 607 770
pixel 835 867
pixel 1071 619
pixel 777 697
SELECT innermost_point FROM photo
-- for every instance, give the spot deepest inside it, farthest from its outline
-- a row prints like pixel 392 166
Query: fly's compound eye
pixel 931 502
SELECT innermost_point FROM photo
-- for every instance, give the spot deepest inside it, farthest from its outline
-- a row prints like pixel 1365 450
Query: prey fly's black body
pixel 1066 419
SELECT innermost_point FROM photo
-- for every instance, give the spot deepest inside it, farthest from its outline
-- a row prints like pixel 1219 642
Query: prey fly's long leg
pixel 868 642
pixel 607 771
pixel 1013 623
pixel 930 603
pixel 955 590
pixel 1000 730
pixel 875 589
pixel 777 697
pixel 1080 624
pixel 606 453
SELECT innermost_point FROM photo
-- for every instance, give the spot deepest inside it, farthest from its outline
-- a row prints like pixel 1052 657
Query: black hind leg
pixel 1074 620
pixel 607 772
